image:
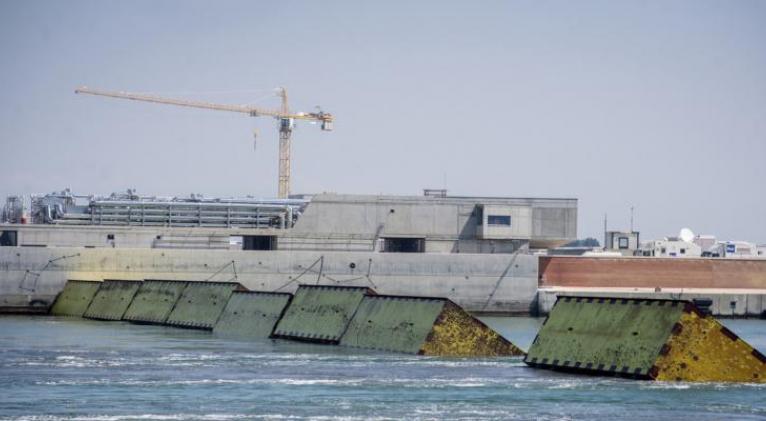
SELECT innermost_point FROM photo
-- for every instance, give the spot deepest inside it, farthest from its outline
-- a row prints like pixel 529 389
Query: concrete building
pixel 734 250
pixel 625 242
pixel 437 224
pixel 671 247
pixel 419 224
pixel 706 242
pixel 474 250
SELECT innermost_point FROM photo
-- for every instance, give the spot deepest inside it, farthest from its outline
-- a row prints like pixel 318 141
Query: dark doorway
pixel 9 238
pixel 404 245
pixel 259 242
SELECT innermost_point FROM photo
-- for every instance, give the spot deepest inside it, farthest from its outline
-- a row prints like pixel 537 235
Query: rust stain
pixel 706 351
pixel 457 334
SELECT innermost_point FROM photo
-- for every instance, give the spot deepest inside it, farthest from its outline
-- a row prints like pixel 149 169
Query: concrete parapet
pixel 642 339
pixel 154 301
pixel 201 304
pixel 112 299
pixel 75 298
pixel 252 314
pixel 320 313
pixel 424 326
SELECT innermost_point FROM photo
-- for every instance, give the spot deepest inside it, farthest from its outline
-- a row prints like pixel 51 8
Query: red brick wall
pixel 651 272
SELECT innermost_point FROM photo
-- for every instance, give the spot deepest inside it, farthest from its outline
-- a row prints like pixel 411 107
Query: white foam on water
pixel 136 382
pixel 160 417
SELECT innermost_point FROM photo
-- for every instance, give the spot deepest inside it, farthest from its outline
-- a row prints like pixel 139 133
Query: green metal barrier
pixel 201 304
pixel 422 325
pixel 75 298
pixel 252 314
pixel 642 339
pixel 111 300
pixel 154 301
pixel 320 313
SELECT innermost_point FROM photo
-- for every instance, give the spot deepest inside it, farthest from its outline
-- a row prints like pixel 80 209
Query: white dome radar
pixel 686 235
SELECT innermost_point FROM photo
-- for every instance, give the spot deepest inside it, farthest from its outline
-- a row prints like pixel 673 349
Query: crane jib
pixel 286 121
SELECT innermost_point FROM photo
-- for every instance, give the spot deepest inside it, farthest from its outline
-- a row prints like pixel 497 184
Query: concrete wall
pixel 40 235
pixel 493 283
pixel 519 228
pixel 553 221
pixel 553 225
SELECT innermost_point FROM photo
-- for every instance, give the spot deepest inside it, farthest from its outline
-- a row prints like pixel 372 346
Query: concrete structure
pixel 472 250
pixel 705 241
pixel 344 223
pixel 442 224
pixel 670 247
pixel 488 283
pixel 626 243
pixel 734 250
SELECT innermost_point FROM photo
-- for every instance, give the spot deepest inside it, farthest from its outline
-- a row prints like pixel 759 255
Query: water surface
pixel 60 368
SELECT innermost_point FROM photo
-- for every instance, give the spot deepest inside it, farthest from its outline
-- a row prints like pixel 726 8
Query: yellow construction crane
pixel 285 118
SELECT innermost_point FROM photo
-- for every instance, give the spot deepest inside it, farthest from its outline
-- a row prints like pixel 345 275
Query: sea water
pixel 74 369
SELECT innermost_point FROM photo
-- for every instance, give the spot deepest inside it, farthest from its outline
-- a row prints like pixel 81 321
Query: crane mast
pixel 285 144
pixel 286 121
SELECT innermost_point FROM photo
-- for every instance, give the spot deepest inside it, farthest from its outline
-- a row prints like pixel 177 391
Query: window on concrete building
pixel 499 220
pixel 9 238
pixel 404 245
pixel 663 250
pixel 479 214
pixel 683 251
pixel 622 242
pixel 259 242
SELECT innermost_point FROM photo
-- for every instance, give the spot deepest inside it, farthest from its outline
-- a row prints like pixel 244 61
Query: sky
pixel 655 105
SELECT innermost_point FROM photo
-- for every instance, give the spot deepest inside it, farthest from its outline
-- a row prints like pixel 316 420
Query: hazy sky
pixel 656 104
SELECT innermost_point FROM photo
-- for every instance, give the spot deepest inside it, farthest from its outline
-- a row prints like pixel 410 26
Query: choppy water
pixel 55 368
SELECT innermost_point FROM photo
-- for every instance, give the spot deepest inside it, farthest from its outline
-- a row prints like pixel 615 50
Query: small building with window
pixel 498 222
pixel 734 250
pixel 671 247
pixel 624 242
